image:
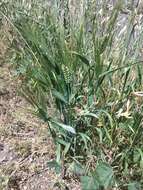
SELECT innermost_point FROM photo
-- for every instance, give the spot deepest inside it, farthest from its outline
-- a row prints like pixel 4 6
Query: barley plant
pixel 80 67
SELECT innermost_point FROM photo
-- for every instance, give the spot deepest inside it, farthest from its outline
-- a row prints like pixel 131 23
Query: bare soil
pixel 25 144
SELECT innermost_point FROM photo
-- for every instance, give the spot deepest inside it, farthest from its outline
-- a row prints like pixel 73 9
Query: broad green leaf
pixel 66 144
pixel 59 96
pixel 89 183
pixel 66 149
pixel 77 168
pixel 104 174
pixel 134 186
pixel 120 68
pixel 58 153
pixel 99 131
pixel 85 139
pixel 101 178
pixel 89 114
pixel 66 127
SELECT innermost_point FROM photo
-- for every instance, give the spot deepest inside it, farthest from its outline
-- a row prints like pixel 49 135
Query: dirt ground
pixel 25 144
